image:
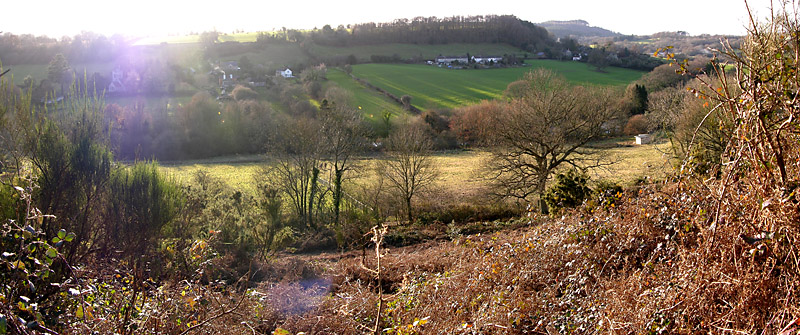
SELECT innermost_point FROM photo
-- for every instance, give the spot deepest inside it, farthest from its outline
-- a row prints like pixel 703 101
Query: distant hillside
pixel 431 30
pixel 575 28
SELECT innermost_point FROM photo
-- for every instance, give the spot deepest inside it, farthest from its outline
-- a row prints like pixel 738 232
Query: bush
pixel 244 93
pixel 607 193
pixel 33 290
pixel 569 190
pixel 141 201
pixel 472 124
pixel 637 124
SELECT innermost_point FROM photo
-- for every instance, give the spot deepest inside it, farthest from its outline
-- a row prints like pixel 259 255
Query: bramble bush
pixel 569 190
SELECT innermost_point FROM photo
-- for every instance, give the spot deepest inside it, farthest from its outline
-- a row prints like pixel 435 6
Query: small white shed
pixel 642 139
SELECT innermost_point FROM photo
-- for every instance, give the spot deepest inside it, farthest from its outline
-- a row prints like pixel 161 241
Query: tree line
pixel 83 47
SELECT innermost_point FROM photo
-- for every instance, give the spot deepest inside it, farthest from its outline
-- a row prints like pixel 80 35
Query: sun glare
pixel 150 17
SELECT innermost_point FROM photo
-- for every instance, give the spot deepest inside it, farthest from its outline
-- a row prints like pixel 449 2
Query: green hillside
pixel 371 103
pixel 39 71
pixel 424 51
pixel 434 87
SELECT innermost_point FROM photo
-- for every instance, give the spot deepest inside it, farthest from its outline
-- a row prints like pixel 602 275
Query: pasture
pixel 371 103
pixel 460 172
pixel 39 71
pixel 434 87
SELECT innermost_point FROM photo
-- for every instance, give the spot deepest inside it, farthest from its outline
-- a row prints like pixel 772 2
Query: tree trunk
pixel 314 178
pixel 542 187
pixel 337 195
pixel 408 207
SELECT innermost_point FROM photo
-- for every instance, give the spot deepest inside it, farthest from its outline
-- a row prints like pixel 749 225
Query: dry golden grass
pixel 634 162
pixel 460 172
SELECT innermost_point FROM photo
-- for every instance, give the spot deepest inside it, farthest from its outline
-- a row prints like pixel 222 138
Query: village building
pixel 466 60
pixel 452 59
pixel 116 86
pixel 284 73
pixel 227 73
pixel 487 59
pixel 123 81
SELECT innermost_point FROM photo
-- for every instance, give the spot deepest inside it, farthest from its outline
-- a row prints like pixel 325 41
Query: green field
pixel 434 87
pixel 275 56
pixel 39 71
pixel 235 172
pixel 370 102
pixel 425 51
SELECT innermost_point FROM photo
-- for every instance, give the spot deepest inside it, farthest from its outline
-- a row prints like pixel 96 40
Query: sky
pixel 168 17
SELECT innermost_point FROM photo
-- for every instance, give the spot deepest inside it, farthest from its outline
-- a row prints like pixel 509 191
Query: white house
pixel 451 59
pixel 285 73
pixel 116 81
pixel 642 139
pixel 487 59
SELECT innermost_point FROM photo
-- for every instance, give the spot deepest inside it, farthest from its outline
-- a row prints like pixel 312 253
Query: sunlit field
pixel 460 172
pixel 434 87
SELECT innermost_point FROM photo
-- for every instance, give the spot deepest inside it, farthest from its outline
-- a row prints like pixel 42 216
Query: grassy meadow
pixel 275 56
pixel 371 103
pixel 460 172
pixel 434 87
pixel 39 71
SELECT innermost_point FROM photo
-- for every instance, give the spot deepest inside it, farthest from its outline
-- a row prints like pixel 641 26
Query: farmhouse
pixel 465 60
pixel 451 59
pixel 116 81
pixel 227 72
pixel 227 79
pixel 486 59
pixel 284 73
pixel 122 81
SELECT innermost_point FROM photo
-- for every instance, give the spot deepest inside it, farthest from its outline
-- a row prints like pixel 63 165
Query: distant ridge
pixel 575 28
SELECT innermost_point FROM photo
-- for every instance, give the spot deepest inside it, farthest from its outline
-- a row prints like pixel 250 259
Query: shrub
pixel 637 124
pixel 141 201
pixel 244 93
pixel 568 191
pixel 472 124
pixel 607 193
pixel 33 285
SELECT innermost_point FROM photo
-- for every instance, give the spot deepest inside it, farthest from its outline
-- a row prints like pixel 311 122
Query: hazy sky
pixel 160 17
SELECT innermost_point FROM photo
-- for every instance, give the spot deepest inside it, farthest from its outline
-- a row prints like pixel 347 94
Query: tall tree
pixel 636 97
pixel 298 149
pixel 543 128
pixel 409 167
pixel 58 70
pixel 598 58
pixel 344 136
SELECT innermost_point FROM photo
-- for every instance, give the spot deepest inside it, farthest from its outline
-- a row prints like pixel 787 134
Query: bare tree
pixel 409 168
pixel 298 150
pixel 543 128
pixel 343 134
